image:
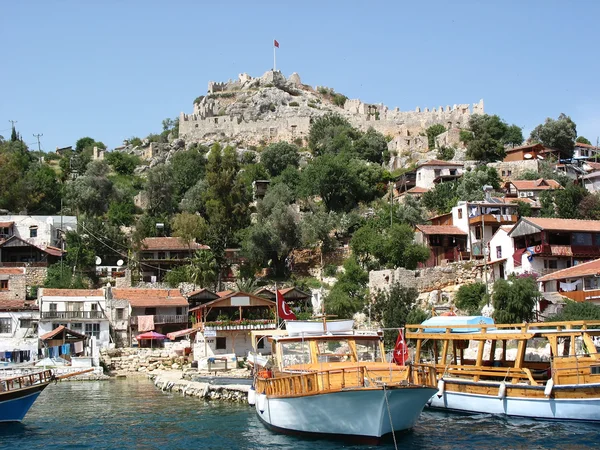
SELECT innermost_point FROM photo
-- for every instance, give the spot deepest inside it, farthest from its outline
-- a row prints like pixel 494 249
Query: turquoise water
pixel 123 414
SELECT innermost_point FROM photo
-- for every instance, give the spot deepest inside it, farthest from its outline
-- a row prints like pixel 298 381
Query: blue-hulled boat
pixel 18 394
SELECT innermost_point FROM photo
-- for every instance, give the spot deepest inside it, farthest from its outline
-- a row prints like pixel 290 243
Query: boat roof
pixel 337 336
pixel 440 323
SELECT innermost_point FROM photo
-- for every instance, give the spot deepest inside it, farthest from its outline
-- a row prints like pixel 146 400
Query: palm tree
pixel 203 268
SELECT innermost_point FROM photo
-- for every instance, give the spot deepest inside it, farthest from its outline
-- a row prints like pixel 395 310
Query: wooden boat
pixel 339 385
pixel 537 370
pixel 17 394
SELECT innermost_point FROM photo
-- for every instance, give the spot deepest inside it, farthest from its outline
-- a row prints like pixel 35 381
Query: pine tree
pixel 13 135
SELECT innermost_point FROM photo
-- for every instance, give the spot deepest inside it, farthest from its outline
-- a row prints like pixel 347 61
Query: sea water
pixel 123 414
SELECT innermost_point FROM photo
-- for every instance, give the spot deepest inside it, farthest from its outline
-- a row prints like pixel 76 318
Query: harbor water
pixel 123 414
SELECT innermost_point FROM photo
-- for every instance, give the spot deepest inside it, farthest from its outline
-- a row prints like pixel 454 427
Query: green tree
pixel 84 143
pixel 514 299
pixel 160 191
pixel 524 209
pixel 559 134
pixel 432 132
pixel 393 307
pixel 331 133
pixel 589 207
pixel 13 134
pixel 189 228
pixel 567 201
pixel 442 198
pixel 372 146
pixel 187 168
pixel 470 185
pixel 576 311
pixel 446 153
pixel 470 298
pixel 513 136
pixel 90 193
pixel 490 135
pixel 349 293
pixel 121 212
pixel 277 157
pixel 583 140
pixel 122 163
pixel 203 269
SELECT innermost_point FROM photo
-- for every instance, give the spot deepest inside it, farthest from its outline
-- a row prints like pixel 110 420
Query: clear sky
pixel 114 69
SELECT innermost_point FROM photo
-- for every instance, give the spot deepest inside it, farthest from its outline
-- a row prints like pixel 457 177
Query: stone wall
pixel 131 360
pixel 35 276
pixel 16 285
pixel 435 284
pixel 514 169
pixel 271 108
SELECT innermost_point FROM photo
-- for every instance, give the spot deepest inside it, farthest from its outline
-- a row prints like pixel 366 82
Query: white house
pixel 80 310
pixel 501 253
pixel 530 189
pixel 18 331
pixel 435 171
pixel 41 231
pixel 591 181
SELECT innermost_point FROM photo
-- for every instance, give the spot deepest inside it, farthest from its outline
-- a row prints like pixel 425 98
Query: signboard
pixel 210 333
pixel 240 301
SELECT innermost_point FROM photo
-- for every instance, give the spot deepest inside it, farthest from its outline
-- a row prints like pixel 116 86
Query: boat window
pixel 368 350
pixel 295 353
pixel 333 351
pixel 538 349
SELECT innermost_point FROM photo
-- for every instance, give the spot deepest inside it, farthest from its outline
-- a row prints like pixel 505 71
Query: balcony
pixel 494 219
pixel 73 315
pixel 164 319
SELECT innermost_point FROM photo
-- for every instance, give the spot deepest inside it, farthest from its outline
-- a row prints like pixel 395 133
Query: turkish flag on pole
pixel 400 350
pixel 283 309
pixel 275 43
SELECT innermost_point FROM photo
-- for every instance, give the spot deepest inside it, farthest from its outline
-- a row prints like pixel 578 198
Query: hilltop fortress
pixel 257 111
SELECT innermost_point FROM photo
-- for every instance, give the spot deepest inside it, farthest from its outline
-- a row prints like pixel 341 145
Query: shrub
pixel 293 104
pixel 446 153
pixel 198 99
pixel 339 100
pixel 470 298
pixel 330 270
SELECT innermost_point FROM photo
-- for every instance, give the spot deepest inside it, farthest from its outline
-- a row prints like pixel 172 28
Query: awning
pixel 181 333
pixel 150 335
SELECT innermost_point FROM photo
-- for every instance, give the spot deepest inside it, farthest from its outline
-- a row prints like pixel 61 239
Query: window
pixel 150 311
pixel 94 306
pixel 504 173
pixel 5 326
pixel 33 231
pixel 498 252
pixel 92 329
pixel 552 264
pixel 508 173
pixel 120 313
pixel 477 232
pixel 179 311
pixel 162 255
pixel 3 285
pixel 460 213
pixel 26 323
pixel 221 343
pixel 76 327
pixel 591 283
pixel 260 343
pixel 584 239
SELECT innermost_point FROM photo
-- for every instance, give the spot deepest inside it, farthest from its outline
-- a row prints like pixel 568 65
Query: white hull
pixel 352 413
pixel 584 409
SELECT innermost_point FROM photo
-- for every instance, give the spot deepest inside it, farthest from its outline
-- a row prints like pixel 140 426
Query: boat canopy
pixel 448 321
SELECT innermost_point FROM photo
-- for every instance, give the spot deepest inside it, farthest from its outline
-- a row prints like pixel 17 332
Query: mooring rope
pixel 390 416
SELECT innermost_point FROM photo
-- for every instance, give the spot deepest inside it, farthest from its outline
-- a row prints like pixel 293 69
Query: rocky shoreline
pixel 175 382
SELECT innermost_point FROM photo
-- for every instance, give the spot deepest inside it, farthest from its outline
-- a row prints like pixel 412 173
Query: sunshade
pixel 152 335
pixel 181 333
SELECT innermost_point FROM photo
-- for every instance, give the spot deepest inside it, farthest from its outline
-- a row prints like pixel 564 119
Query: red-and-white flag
pixel 400 350
pixel 283 309
pixel 275 43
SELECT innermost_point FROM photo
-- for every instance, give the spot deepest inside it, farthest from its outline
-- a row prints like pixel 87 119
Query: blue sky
pixel 115 69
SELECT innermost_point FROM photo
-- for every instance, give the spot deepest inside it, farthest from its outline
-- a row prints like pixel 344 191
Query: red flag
pixel 283 309
pixel 400 350
pixel 275 43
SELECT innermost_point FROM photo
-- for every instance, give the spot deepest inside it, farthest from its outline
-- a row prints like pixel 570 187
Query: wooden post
pixel 479 357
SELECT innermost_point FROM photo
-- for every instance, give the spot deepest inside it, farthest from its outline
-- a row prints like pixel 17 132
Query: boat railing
pixel 23 381
pixel 331 380
pixel 580 369
pixel 477 373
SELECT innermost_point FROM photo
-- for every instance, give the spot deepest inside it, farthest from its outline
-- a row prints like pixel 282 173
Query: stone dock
pixel 174 382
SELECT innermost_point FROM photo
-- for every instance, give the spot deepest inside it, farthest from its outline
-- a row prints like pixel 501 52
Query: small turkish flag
pixel 275 43
pixel 400 350
pixel 283 310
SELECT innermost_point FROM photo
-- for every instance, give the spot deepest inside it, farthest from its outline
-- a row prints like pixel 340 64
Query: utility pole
pixel 38 139
pixel 13 122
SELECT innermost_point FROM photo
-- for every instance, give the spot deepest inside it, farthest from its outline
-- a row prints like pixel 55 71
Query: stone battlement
pixel 272 108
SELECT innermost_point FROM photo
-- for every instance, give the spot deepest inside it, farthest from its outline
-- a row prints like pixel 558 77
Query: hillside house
pixel 39 231
pixel 530 188
pixel 160 310
pixel 591 181
pixel 435 171
pixel 446 243
pixel 18 330
pixel 80 310
pixel 501 253
pixel 17 252
pixel 546 245
pixel 158 255
pixel 13 283
pixel 584 151
pixel 580 283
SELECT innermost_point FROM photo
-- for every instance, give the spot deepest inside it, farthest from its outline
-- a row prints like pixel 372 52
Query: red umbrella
pixel 153 335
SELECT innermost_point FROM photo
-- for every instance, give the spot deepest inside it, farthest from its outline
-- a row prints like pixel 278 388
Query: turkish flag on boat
pixel 400 350
pixel 275 43
pixel 283 309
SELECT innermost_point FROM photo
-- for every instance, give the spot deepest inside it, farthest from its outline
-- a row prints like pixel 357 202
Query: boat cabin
pixel 531 354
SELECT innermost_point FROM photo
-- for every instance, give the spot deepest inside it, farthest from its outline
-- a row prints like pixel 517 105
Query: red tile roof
pixel 150 297
pixel 580 270
pixel 12 271
pixel 439 162
pixel 415 190
pixel 441 229
pixel 73 292
pixel 58 330
pixel 170 243
pixel 17 305
pixel 224 293
pixel 581 144
pixel 535 185
pixel 6 224
pixel 525 147
pixel 593 165
pixel 551 224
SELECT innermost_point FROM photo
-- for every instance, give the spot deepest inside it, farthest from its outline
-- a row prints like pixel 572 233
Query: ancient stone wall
pixel 124 360
pixel 514 169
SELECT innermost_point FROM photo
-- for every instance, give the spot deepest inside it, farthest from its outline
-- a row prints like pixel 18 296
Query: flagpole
pixel 276 306
pixel 274 56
